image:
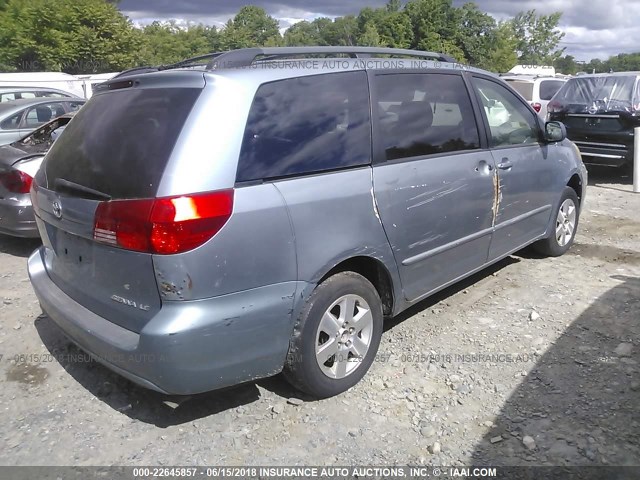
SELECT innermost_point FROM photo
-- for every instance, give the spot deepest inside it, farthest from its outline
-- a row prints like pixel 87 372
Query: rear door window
pixel 548 88
pixel 120 142
pixel 524 88
pixel 423 114
pixel 307 125
pixel 41 114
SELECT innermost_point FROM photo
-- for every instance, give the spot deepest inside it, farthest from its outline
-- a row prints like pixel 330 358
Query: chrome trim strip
pixel 600 155
pixel 588 144
pixel 587 115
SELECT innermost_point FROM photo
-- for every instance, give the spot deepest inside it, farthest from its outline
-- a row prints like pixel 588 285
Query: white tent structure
pixel 78 85
pixel 57 80
pixel 89 81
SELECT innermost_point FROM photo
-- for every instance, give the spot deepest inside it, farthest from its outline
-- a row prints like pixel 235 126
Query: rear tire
pixel 336 337
pixel 564 228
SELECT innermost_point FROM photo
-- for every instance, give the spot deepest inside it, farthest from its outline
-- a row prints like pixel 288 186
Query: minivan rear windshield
pixel 119 143
pixel 523 88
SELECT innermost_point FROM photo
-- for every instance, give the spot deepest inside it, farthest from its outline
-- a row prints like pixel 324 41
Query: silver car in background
pixel 21 117
pixel 8 94
pixel 19 162
pixel 219 222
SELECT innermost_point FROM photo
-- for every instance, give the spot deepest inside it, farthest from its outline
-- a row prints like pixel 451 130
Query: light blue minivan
pixel 264 210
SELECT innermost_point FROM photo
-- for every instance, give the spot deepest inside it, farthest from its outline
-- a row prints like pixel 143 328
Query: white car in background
pixel 535 89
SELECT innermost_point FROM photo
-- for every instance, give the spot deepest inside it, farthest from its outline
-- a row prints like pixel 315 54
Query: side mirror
pixel 555 132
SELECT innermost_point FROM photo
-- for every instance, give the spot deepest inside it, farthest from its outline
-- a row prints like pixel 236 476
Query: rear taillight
pixel 536 106
pixel 16 181
pixel 554 106
pixel 163 225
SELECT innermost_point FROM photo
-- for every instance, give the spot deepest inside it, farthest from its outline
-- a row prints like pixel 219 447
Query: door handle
pixel 505 165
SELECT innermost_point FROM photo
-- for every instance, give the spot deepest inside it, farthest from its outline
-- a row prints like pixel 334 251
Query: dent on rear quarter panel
pixel 254 249
pixel 335 218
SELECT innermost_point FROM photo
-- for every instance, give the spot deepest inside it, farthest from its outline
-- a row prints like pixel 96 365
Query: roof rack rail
pixel 244 57
pixel 191 61
pixel 133 71
pixel 182 63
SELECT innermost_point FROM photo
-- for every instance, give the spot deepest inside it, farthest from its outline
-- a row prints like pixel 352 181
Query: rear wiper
pixel 74 188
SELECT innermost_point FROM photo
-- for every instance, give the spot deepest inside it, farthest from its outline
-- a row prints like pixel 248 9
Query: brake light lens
pixel 163 225
pixel 536 106
pixel 16 181
pixel 554 106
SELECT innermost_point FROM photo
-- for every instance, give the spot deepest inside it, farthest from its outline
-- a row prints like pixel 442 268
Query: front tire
pixel 336 337
pixel 565 226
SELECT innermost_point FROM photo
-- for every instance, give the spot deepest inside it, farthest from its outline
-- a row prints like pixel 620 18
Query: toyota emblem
pixel 57 210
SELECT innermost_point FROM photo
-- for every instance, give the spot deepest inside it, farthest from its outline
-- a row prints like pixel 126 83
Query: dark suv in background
pixel 600 113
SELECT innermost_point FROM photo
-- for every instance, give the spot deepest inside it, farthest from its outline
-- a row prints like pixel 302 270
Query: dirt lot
pixel 555 378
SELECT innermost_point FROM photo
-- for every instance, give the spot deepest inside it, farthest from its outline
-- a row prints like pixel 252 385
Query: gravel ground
pixel 532 362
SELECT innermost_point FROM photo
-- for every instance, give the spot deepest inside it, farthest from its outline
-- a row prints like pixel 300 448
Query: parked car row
pixel 338 197
pixel 599 111
pixel 535 89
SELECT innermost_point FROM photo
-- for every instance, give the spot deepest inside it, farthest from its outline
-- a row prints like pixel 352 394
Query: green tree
pixel 395 30
pixel 393 6
pixel 303 33
pixel 435 25
pixel 369 36
pixel 624 62
pixel 502 56
pixel 566 65
pixel 477 36
pixel 75 36
pixel 166 42
pixel 595 66
pixel 538 37
pixel 393 27
pixel 343 31
pixel 251 27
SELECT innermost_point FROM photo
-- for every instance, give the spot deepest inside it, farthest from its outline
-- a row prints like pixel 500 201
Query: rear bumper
pixel 17 219
pixel 598 148
pixel 613 155
pixel 188 347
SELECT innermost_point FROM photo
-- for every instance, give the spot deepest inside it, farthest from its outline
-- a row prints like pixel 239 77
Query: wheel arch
pixel 575 182
pixel 373 270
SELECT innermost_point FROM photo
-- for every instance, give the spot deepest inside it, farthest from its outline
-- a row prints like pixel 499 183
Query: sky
pixel 593 28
